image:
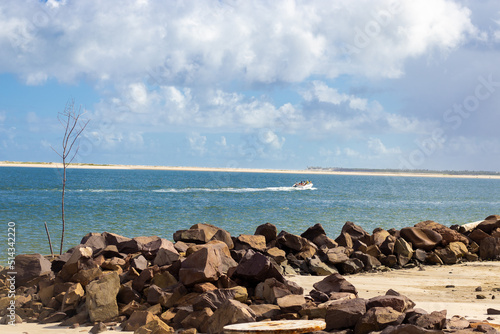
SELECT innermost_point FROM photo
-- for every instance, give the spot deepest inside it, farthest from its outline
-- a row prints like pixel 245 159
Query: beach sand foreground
pixel 435 288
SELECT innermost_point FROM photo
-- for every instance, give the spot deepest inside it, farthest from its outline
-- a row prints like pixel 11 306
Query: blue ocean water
pixel 155 202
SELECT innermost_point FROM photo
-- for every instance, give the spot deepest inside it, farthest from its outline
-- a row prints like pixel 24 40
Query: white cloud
pixel 197 143
pixel 377 147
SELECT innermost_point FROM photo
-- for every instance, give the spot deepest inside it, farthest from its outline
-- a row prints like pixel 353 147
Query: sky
pixel 283 84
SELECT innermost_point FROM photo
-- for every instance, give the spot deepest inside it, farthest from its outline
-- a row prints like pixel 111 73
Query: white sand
pixel 242 170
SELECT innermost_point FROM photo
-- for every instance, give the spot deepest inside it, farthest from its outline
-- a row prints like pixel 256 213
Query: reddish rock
pixel 213 299
pixel 197 319
pixel 231 312
pixel 490 224
pixel 30 267
pixel 344 314
pixel 344 240
pixel 446 233
pixel 489 249
pixel 291 241
pixel 335 283
pixel 138 319
pixel 434 320
pixel 268 230
pixel 255 267
pixel 224 236
pixel 313 232
pixel 166 254
pixel 96 241
pixel 378 236
pixel 378 318
pixel 323 241
pixel 398 303
pixel 201 266
pixel 422 238
pixel 196 236
pixel 478 235
pixel 246 241
pixel 356 232
pixel 123 244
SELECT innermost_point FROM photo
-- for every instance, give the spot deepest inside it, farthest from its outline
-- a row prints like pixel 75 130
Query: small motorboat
pixel 303 185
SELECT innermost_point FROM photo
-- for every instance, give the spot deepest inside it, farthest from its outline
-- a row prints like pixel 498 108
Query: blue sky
pixel 264 84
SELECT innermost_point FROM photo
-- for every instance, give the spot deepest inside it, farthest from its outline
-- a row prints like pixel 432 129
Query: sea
pixel 159 202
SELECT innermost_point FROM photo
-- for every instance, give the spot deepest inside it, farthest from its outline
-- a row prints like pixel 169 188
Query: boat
pixel 303 185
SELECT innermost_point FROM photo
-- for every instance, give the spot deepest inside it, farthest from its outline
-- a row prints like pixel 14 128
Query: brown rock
pixel 422 238
pixel 166 254
pixel 265 311
pixel 433 258
pixel 434 320
pixel 478 235
pixel 446 233
pixel 398 303
pixel 277 254
pixel 335 283
pixel 337 255
pixel 290 241
pixel 387 246
pixel 370 262
pixel 378 318
pixel 313 232
pixel 95 241
pixel 291 303
pixel 224 236
pixel 210 230
pixel 54 317
pixel 123 244
pixel 138 319
pixel 72 297
pixel 255 267
pixel 351 266
pixel 164 279
pixel 409 329
pixel 98 328
pixel 378 237
pixel 319 268
pixel 213 299
pixel 490 224
pixel 30 267
pixel 231 312
pixel 197 319
pixel 344 240
pixel 256 242
pixel 446 255
pixel 489 248
pixel 356 232
pixel 268 230
pixel 323 241
pixel 196 236
pixel 344 314
pixel 101 297
pixel 457 322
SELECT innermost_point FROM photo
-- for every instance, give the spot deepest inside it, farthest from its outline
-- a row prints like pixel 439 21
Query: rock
pixel 389 261
pixel 335 283
pixel 72 297
pixel 98 328
pixel 164 279
pixel 478 235
pixel 213 299
pixel 308 251
pixel 344 240
pixel 356 232
pixel 271 289
pixel 319 268
pixel 378 318
pixel 265 311
pixel 96 241
pixel 313 232
pixel 409 329
pixel 420 255
pixel 79 256
pixel 433 258
pixel 269 231
pixel 492 311
pixel 166 254
pixel 434 320
pixel 457 322
pixel 30 267
pixel 197 319
pixel 344 314
pixel 256 242
pixel 54 317
pixel 490 224
pixel 277 254
pixel 446 255
pixel 387 246
pixel 403 251
pixel 224 236
pixel 138 319
pixel 422 238
pixel 291 303
pixel 369 262
pixel 323 241
pixel 101 297
pixel 448 235
pixel 123 244
pixel 255 267
pixel 378 237
pixel 398 303
pixel 337 255
pixel 196 236
pixel 489 249
pixel 290 241
pixel 209 229
pixel 351 266
pixel 231 312
pixel 206 264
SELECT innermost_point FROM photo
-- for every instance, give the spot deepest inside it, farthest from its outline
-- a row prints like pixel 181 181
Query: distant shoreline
pixel 242 170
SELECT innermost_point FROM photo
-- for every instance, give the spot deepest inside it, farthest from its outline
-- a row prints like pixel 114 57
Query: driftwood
pixel 469 226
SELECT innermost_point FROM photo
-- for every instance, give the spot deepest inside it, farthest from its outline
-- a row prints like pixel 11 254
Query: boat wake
pixel 230 190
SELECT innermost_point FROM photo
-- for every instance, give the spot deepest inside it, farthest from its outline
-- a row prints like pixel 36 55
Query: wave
pixel 231 190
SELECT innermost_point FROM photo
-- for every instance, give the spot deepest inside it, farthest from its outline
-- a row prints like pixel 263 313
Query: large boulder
pixel 255 267
pixel 334 283
pixel 378 318
pixel 246 241
pixel 166 253
pixel 268 230
pixel 206 264
pixel 489 249
pixel 356 232
pixel 231 312
pixel 30 267
pixel 196 236
pixel 337 255
pixel 101 297
pixel 422 238
pixel 490 224
pixel 446 233
pixel 313 232
pixel 344 314
pixel 291 242
pixel 398 303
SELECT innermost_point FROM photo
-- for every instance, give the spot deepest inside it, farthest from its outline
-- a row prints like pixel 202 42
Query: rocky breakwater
pixel 207 279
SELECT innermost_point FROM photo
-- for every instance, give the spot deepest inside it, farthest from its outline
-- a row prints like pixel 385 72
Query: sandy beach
pixel 434 288
pixel 242 170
